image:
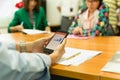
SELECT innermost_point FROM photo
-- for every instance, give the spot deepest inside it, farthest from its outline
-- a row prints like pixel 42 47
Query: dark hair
pixel 101 2
pixel 26 3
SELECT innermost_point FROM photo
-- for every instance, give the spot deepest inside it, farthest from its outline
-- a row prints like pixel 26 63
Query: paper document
pixel 75 56
pixel 114 64
pixel 32 31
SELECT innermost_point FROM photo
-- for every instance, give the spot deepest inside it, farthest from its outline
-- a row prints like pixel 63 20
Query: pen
pixel 22 25
pixel 23 32
pixel 73 56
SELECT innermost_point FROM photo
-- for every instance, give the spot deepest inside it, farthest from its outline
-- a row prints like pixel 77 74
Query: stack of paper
pixel 114 64
pixel 32 31
pixel 75 56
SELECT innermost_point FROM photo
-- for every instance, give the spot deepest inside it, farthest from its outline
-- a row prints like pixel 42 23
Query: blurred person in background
pixel 31 16
pixel 113 5
pixel 92 21
pixel 68 9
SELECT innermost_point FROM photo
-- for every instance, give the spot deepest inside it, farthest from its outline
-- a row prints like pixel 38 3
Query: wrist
pixel 48 29
pixel 29 46
pixel 14 29
pixel 55 56
pixel 22 46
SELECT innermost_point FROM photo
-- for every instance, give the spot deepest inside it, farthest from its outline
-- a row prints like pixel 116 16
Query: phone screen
pixel 56 40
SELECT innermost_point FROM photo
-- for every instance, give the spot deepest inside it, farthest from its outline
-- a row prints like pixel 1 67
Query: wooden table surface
pixel 91 69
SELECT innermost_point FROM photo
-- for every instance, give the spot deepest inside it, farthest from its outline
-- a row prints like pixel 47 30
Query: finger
pixel 61 47
pixel 46 38
pixel 80 30
pixel 75 32
pixel 43 40
pixel 63 43
pixel 20 28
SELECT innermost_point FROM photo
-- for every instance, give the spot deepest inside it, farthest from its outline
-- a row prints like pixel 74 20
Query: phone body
pixel 56 40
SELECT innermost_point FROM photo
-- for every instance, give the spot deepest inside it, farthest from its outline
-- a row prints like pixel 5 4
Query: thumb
pixel 62 45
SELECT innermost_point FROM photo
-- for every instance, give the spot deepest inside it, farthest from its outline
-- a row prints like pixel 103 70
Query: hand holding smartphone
pixel 57 39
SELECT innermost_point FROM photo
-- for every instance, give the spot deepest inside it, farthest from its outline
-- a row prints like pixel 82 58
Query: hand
pixel 16 28
pixel 48 29
pixel 77 31
pixel 57 54
pixel 38 45
pixel 19 28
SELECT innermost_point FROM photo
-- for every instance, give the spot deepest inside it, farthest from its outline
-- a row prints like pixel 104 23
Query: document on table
pixel 114 64
pixel 76 57
pixel 32 31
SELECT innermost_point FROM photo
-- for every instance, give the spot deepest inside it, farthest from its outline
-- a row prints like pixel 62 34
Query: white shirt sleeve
pixel 24 66
pixel 10 42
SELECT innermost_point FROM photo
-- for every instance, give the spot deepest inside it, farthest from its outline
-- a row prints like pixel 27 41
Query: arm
pixel 38 46
pixel 16 28
pixel 74 24
pixel 23 66
pixel 44 20
pixel 28 66
pixel 104 28
pixel 15 24
pixel 118 13
pixel 57 54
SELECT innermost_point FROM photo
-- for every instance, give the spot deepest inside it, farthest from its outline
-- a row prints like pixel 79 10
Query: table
pixel 91 69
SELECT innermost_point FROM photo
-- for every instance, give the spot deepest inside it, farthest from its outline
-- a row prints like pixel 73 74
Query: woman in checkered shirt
pixel 92 21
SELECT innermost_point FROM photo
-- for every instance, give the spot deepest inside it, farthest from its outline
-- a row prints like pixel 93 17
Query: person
pixel 30 65
pixel 32 16
pixel 92 21
pixel 118 20
pixel 68 9
pixel 113 5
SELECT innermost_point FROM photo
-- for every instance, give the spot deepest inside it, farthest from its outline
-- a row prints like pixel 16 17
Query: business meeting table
pixel 89 70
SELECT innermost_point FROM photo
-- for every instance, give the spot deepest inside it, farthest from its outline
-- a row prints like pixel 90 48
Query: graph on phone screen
pixel 56 40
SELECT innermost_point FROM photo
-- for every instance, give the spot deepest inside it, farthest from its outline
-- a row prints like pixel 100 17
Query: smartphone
pixel 57 39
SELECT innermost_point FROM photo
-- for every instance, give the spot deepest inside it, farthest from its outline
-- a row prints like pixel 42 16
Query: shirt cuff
pixel 46 58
